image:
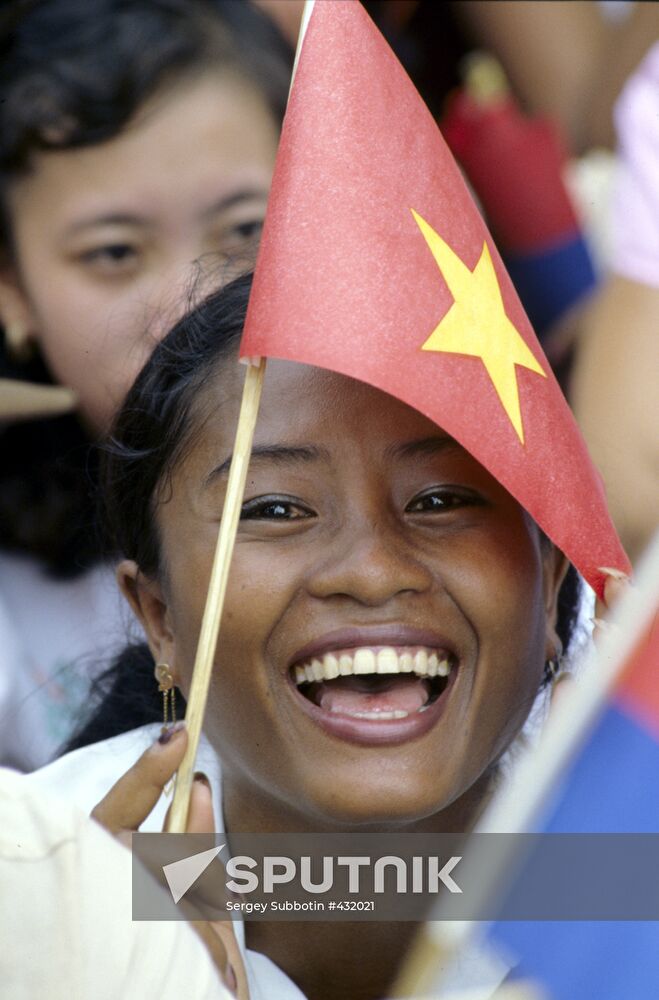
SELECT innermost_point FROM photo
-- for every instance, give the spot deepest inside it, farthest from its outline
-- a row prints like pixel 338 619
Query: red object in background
pixel 347 280
pixel 515 165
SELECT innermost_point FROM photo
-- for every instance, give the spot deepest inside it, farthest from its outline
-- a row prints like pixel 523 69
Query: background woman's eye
pixel 241 235
pixel 114 257
pixel 440 500
pixel 273 509
pixel 251 229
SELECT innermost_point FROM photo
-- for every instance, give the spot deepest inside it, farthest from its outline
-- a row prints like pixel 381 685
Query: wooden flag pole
pixel 217 589
pixel 210 626
pixel 23 400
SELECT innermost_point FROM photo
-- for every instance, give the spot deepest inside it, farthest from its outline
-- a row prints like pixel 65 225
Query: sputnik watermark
pixel 395 876
pixel 248 875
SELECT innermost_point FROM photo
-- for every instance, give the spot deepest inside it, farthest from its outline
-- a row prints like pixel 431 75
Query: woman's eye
pixel 241 233
pixel 441 500
pixel 111 259
pixel 274 509
pixel 251 229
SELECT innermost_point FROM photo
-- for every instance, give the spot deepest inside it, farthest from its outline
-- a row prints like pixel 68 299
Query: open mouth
pixel 375 684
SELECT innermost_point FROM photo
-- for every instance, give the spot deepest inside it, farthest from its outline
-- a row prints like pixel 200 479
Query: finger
pixel 235 975
pixel 201 818
pixel 614 589
pixel 616 584
pixel 214 943
pixel 221 942
pixel 129 802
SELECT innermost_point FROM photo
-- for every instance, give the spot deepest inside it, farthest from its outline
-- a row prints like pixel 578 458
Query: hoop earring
pixel 168 689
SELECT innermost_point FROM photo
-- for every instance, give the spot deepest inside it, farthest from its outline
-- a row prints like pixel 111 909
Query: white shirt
pixel 65 913
pixel 55 636
pixel 85 776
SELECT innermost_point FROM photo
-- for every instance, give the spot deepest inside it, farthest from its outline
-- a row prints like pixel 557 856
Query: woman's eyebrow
pixel 135 219
pixel 275 454
pixel 428 446
pixel 110 219
pixel 235 198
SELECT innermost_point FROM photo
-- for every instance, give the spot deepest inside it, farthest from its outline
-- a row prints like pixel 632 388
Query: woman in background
pixel 137 142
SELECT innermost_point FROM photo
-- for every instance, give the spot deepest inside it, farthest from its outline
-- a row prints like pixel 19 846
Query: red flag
pixel 375 263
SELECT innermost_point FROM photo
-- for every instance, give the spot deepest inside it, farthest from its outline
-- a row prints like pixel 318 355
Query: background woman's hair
pixel 155 425
pixel 72 73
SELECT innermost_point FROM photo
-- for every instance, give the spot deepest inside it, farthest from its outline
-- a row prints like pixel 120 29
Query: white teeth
pixel 345 665
pixel 363 662
pixel 421 663
pixel 380 716
pixel 387 660
pixel 330 667
pixel 406 661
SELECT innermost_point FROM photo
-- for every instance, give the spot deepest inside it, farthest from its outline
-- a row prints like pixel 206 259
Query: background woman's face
pixel 364 528
pixel 106 235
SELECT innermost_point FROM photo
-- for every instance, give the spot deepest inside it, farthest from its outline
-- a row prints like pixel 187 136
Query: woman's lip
pixel 392 634
pixel 374 732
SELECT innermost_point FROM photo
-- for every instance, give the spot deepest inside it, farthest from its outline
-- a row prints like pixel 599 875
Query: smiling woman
pixel 389 614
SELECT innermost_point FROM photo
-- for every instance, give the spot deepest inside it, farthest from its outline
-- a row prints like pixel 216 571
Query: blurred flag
pixel 515 165
pixel 610 786
pixel 574 835
pixel 375 262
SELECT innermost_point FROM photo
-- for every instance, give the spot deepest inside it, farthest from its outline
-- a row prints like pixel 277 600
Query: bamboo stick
pixel 25 400
pixel 217 588
pixel 210 626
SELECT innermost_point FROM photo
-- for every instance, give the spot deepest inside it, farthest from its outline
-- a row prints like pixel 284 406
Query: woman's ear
pixel 15 316
pixel 149 604
pixel 555 566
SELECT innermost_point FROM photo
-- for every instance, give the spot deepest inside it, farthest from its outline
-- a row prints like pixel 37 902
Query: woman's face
pixel 106 236
pixel 369 541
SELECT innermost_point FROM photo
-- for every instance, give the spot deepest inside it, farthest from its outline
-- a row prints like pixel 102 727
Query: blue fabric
pixel 586 961
pixel 613 786
pixel 548 283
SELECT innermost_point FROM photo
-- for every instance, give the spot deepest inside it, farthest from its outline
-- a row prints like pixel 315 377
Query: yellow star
pixel 477 324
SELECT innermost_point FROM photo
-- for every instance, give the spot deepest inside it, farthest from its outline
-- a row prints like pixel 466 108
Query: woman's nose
pixel 371 564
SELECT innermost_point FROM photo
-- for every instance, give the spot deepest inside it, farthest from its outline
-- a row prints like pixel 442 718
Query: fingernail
pixel 230 979
pixel 202 779
pixel 168 732
pixel 617 574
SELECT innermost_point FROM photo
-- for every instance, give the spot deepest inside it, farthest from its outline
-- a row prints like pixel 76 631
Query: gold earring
pixel 167 687
pixel 19 343
pixel 554 667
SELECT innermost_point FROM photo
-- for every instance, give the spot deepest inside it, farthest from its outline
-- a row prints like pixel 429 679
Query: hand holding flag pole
pixel 217 586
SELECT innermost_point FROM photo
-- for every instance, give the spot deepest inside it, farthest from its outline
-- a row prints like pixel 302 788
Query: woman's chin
pixel 362 805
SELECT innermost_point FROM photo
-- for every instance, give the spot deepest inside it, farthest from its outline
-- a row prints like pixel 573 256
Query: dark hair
pixel 152 430
pixel 154 425
pixel 72 74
